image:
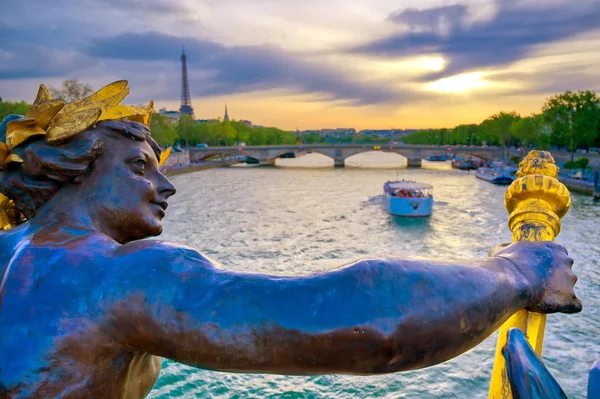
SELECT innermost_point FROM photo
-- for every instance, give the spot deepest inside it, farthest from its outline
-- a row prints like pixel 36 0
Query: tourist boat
pixel 408 198
pixel 498 173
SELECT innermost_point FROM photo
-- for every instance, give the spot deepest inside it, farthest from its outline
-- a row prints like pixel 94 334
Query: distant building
pixel 226 117
pixel 247 123
pixel 337 132
pixel 387 132
pixel 173 115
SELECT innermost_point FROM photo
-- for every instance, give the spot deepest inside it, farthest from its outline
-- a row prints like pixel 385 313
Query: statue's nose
pixel 166 188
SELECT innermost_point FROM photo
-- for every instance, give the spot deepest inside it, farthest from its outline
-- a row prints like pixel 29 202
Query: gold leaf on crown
pixel 58 121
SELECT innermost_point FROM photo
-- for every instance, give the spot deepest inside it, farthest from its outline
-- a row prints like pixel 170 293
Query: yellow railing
pixel 536 201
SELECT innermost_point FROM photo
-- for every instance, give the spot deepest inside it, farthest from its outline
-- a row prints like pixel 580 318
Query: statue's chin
pixel 157 232
pixel 149 231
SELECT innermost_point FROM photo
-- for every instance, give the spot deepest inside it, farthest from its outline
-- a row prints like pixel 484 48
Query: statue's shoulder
pixel 162 253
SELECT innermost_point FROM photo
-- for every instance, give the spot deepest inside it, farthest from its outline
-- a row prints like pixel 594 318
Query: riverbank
pixel 577 185
pixel 587 186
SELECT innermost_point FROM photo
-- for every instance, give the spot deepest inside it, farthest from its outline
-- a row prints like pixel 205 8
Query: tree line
pixel 187 132
pixel 569 120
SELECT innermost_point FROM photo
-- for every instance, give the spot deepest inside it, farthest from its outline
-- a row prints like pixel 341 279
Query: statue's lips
pixel 162 205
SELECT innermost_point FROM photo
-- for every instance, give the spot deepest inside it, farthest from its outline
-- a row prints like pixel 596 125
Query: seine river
pixel 303 216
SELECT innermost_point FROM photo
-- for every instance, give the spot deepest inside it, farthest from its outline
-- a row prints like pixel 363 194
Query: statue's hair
pixel 46 167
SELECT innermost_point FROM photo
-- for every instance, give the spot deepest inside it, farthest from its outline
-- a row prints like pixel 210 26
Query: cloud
pixel 242 68
pixel 508 36
pixel 553 80
pixel 147 6
pixel 39 61
pixel 440 20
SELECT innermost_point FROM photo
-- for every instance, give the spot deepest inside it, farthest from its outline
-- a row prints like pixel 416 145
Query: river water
pixel 303 216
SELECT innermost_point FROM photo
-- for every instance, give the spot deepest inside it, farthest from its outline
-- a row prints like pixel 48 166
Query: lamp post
pixel 571 131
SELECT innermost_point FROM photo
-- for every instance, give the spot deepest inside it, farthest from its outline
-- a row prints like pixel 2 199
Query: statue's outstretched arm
pixel 373 316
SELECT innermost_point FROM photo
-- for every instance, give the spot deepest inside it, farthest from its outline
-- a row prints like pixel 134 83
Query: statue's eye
pixel 139 165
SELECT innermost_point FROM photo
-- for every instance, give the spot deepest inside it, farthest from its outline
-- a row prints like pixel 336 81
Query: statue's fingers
pixel 575 305
pixel 498 248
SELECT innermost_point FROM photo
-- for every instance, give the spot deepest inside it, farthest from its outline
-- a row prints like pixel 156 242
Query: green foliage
pixel 580 163
pixel 497 127
pixel 228 133
pixel 163 130
pixel 569 120
pixel 13 107
pixel 186 129
pixel 312 138
pixel 530 131
pixel 574 119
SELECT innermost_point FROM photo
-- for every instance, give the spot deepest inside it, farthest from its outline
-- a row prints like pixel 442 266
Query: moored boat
pixel 408 198
pixel 498 173
pixel 466 164
pixel 438 158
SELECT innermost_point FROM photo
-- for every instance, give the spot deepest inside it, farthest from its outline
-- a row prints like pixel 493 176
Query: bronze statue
pixel 530 379
pixel 87 309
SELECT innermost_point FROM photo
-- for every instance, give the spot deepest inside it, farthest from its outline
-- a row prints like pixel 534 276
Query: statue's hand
pixel 548 270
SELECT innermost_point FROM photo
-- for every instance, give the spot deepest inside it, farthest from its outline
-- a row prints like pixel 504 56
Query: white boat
pixel 408 198
pixel 499 173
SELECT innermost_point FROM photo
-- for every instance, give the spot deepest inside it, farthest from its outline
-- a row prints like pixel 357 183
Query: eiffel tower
pixel 186 101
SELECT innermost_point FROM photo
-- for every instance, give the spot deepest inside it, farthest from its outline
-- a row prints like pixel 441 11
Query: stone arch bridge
pixel 266 155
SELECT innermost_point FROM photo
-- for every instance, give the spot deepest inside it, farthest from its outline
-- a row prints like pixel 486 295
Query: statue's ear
pixel 528 377
pixel 594 381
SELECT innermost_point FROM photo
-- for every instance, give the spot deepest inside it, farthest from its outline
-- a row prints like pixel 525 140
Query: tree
pixel 185 128
pixel 530 131
pixel 206 133
pixel 229 133
pixel 163 130
pixel 13 107
pixel 573 118
pixel 498 126
pixel 71 90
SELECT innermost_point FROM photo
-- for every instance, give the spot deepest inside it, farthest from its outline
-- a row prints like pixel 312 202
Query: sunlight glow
pixel 459 83
pixel 434 64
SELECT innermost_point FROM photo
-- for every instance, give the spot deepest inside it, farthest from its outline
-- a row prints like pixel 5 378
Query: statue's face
pixel 126 193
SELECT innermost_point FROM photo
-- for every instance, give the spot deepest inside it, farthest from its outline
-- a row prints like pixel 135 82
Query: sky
pixel 310 64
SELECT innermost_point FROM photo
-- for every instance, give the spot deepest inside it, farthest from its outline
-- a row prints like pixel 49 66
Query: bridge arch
pixel 340 152
pixel 387 158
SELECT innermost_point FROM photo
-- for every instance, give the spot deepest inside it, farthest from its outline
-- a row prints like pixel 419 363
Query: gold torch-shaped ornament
pixel 536 201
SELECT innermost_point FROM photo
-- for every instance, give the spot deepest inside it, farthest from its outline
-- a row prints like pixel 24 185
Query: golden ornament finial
pixel 536 201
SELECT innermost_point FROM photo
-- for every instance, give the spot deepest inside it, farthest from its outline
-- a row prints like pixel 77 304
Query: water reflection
pixel 421 224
